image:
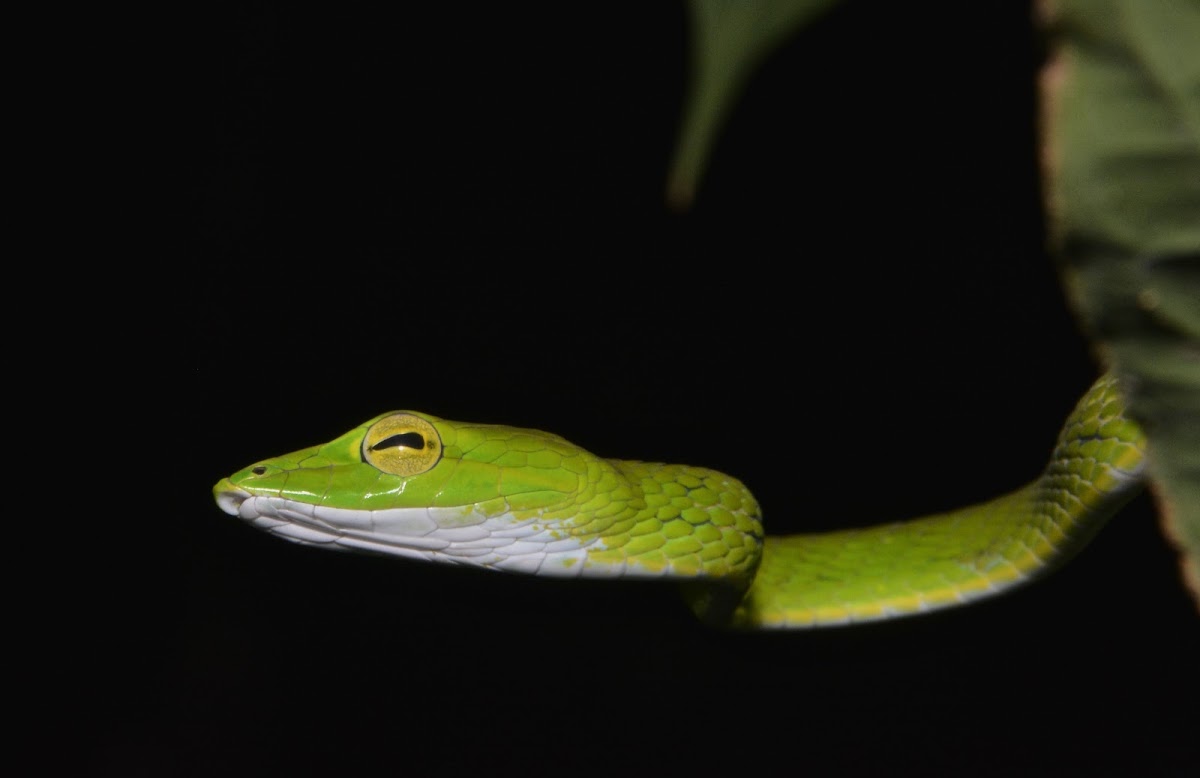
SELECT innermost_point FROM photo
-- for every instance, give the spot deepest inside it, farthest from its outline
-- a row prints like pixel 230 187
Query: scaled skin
pixel 417 486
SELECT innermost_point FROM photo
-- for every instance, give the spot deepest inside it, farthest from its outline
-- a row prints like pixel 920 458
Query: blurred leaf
pixel 1122 152
pixel 728 40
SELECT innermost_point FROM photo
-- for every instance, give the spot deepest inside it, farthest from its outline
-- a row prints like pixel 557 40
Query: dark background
pixel 461 211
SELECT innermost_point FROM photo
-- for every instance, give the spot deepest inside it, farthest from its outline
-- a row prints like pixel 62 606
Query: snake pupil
pixel 406 439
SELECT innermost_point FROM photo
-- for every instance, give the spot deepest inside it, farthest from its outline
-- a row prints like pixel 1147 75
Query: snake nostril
pixel 258 470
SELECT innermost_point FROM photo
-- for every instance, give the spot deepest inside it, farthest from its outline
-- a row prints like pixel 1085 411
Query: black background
pixel 461 211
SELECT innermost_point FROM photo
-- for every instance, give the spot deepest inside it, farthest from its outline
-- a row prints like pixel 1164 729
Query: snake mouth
pixel 229 497
pixel 427 534
pixel 399 531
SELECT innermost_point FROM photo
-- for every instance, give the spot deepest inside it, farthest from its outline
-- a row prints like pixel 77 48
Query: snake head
pixel 414 485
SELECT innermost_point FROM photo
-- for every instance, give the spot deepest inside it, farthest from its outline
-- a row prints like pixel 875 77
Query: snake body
pixel 413 485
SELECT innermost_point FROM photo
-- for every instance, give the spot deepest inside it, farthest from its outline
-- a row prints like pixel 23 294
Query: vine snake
pixel 413 485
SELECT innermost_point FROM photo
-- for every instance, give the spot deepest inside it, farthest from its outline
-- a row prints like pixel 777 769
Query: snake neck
pixel 682 522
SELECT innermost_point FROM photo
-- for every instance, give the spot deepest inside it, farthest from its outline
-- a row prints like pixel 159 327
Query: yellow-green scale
pixel 675 520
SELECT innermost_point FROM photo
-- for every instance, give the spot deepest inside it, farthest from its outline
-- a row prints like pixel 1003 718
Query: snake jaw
pixel 428 534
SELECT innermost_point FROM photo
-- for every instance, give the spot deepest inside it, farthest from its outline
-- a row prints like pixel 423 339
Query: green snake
pixel 416 486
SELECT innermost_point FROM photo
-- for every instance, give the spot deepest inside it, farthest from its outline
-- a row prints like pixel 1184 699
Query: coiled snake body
pixel 412 485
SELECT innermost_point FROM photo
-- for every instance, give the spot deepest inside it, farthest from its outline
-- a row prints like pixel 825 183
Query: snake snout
pixel 229 497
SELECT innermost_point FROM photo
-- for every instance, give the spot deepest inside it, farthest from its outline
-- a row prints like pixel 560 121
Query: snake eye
pixel 402 444
pixel 406 439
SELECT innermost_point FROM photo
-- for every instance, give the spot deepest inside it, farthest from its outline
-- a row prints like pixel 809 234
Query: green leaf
pixel 1122 110
pixel 728 40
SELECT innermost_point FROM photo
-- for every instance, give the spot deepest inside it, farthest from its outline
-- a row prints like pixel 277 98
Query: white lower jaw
pixel 447 535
